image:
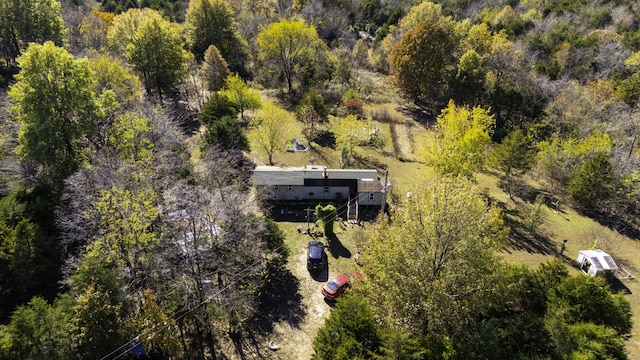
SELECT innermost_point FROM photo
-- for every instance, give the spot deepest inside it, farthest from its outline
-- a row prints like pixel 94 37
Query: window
pixel 276 187
pixel 326 189
pixel 290 187
pixel 372 196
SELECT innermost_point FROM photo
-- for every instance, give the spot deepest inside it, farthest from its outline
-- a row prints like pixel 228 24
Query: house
pixel 596 262
pixel 313 184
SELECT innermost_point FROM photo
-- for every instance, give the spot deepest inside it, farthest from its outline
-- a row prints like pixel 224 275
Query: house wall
pixel 363 199
pixel 301 192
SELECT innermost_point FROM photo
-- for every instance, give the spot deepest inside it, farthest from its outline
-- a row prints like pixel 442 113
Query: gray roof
pixel 276 175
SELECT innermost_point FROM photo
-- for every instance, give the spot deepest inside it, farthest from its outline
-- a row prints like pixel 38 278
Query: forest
pixel 130 227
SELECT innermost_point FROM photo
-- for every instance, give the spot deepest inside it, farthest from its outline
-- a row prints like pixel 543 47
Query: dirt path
pixel 401 138
pixel 299 337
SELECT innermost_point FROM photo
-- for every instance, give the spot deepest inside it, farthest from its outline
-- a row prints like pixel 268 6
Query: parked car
pixel 337 286
pixel 315 256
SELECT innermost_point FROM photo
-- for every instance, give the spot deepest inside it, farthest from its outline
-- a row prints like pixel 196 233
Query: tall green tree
pixel 55 104
pixel 471 73
pixel 559 158
pixel 351 132
pixel 98 307
pixel 98 322
pixel 156 52
pixel 26 21
pixel 327 216
pixel 37 330
pixel 124 27
pixel 432 269
pixel 350 332
pixel 585 299
pixel 594 182
pixel 459 140
pixel 222 126
pixel 160 327
pixel 29 257
pixel 241 96
pixel 125 236
pixel 110 73
pixel 423 61
pixel 514 155
pixel 226 133
pixel 130 137
pixel 285 46
pixel 215 69
pixel 426 10
pixel 211 22
pixel 270 129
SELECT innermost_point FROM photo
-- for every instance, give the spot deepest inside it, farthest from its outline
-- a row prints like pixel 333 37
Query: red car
pixel 337 286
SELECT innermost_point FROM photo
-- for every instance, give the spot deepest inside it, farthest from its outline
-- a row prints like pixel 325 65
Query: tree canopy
pixel 430 269
pixel 156 52
pixel 215 69
pixel 57 109
pixel 286 46
pixel 24 22
pixel 459 141
pixel 211 22
pixel 423 61
pixel 241 96
pixel 270 129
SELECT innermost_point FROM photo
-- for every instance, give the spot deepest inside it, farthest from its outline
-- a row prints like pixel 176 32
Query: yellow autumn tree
pixel 458 143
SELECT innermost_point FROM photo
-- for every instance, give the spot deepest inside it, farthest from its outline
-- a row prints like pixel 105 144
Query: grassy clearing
pixel 401 138
pixel 559 223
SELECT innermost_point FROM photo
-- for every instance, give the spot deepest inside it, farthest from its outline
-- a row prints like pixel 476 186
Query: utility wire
pixel 151 330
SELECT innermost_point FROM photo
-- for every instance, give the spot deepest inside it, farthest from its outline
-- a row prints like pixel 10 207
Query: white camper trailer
pixel 596 262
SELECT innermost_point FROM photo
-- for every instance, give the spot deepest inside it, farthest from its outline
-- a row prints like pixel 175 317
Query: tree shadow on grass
pixel 523 239
pixel 252 343
pixel 280 300
pixel 617 286
pixel 325 138
pixel 614 222
pixel 368 162
pixel 524 191
pixel 336 249
pixel 517 188
pixel 320 154
pixel 425 115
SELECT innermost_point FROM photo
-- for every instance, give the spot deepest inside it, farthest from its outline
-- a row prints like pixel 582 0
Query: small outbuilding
pixel 596 263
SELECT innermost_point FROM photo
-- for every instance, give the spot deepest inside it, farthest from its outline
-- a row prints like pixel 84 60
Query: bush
pixel 350 332
pixel 353 106
pixel 593 183
pixel 326 215
pixel 316 101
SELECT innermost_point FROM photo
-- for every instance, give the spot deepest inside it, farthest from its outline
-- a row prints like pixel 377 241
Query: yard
pixel 398 154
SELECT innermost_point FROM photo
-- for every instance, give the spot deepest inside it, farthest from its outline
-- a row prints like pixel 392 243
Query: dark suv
pixel 315 256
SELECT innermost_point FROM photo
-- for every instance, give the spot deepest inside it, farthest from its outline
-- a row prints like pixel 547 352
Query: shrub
pixel 593 183
pixel 326 215
pixel 353 106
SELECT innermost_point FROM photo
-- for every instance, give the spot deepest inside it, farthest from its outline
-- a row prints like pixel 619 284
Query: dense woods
pixel 129 226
